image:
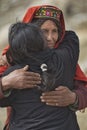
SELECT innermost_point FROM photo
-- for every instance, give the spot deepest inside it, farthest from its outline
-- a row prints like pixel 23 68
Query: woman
pixel 80 78
pixel 69 96
pixel 28 112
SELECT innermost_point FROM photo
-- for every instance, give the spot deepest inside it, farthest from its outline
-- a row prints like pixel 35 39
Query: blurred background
pixel 75 14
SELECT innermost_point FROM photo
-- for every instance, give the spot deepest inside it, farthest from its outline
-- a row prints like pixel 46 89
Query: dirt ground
pixel 82 119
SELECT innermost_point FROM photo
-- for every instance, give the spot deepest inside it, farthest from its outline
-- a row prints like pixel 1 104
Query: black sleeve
pixel 7 101
pixel 64 60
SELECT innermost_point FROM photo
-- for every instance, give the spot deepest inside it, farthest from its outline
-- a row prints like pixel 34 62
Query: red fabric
pixel 80 74
pixel 2 69
pixel 81 92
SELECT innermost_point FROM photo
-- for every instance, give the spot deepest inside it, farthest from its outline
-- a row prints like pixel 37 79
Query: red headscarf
pixel 30 14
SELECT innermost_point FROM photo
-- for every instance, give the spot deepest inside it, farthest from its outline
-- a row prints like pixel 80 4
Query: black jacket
pixel 28 112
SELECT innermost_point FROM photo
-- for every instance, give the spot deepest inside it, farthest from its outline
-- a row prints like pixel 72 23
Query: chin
pixel 50 46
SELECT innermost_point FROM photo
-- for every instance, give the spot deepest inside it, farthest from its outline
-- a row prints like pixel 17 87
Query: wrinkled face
pixel 50 31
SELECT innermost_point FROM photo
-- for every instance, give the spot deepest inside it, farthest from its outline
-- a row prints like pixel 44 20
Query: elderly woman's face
pixel 50 31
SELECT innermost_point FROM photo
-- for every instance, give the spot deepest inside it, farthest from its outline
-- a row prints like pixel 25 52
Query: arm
pixel 64 61
pixel 30 79
pixel 81 91
pixel 62 96
pixel 19 79
pixel 5 102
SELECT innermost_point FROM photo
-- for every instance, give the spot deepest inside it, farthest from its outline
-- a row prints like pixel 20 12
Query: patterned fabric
pixel 46 12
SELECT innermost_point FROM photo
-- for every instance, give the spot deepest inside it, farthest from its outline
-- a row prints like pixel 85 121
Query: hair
pixel 40 21
pixel 24 39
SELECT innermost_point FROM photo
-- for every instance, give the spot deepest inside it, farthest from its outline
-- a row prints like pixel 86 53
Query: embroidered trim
pixel 48 12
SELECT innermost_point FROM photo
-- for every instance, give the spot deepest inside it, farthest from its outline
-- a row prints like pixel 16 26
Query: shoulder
pixel 10 69
pixel 70 33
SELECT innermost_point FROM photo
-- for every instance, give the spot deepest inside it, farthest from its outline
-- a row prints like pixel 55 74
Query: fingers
pixel 50 93
pixel 27 80
pixel 60 88
pixel 24 72
pixel 31 78
pixel 61 97
pixel 32 82
pixel 50 98
pixel 54 101
pixel 58 104
pixel 48 101
pixel 26 68
pixel 31 73
pixel 21 79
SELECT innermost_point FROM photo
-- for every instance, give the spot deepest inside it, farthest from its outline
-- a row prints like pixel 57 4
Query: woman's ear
pixel 9 58
pixel 3 60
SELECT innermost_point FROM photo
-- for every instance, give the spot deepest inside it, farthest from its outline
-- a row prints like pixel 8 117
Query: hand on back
pixel 20 79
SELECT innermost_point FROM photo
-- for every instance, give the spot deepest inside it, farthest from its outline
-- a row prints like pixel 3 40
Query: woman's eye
pixel 44 30
pixel 55 30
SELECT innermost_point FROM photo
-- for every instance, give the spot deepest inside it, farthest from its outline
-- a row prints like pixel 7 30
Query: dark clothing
pixel 28 113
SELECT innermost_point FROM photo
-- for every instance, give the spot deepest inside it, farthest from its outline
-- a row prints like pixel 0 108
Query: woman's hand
pixel 20 79
pixel 62 96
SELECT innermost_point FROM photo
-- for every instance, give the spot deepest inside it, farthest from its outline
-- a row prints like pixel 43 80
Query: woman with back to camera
pixel 28 112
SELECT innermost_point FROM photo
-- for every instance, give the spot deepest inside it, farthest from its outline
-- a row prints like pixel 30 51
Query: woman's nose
pixel 49 36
